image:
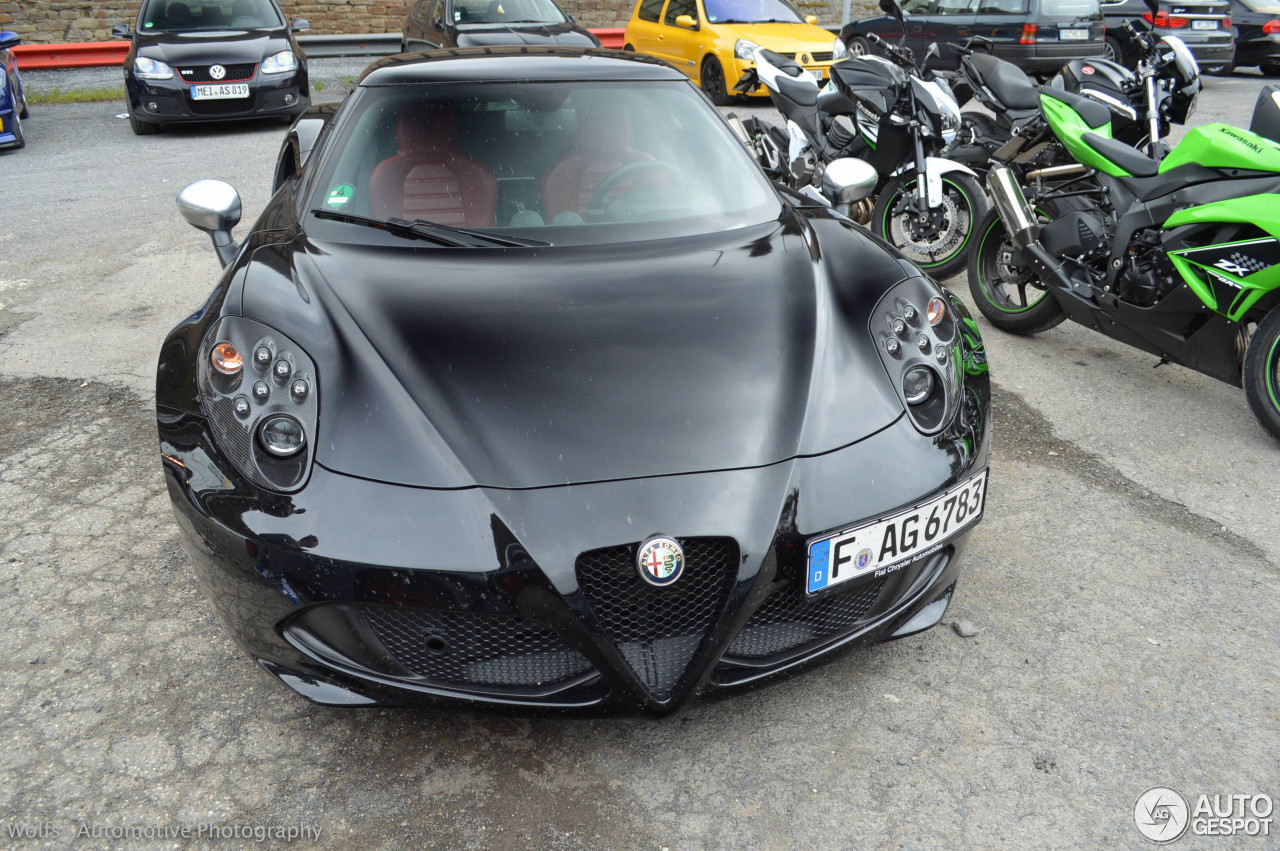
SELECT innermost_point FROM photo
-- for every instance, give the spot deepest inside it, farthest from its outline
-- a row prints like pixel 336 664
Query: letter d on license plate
pixel 893 541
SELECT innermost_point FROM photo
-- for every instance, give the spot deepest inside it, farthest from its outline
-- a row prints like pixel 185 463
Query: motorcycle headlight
pixel 745 49
pixel 262 408
pixel 916 338
pixel 151 69
pixel 280 63
pixel 838 51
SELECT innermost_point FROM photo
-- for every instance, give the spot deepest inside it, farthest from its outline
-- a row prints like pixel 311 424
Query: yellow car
pixel 711 40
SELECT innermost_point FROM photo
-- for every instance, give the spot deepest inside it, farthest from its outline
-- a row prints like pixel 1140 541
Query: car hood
pixel 783 38
pixel 223 46
pixel 525 369
pixel 493 35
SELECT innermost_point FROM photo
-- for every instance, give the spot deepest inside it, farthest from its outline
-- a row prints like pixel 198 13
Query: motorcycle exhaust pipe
pixel 1056 171
pixel 1014 211
pixel 1023 228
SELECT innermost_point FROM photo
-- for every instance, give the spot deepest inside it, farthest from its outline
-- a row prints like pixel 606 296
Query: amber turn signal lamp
pixel 227 359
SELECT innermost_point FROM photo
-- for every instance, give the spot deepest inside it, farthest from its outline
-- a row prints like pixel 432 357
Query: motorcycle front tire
pixel 970 205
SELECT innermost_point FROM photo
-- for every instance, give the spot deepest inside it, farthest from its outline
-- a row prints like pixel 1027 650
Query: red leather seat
pixel 430 178
pixel 603 146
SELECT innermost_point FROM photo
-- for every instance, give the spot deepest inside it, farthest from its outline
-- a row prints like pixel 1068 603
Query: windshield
pixel 179 16
pixel 565 163
pixel 507 12
pixel 751 11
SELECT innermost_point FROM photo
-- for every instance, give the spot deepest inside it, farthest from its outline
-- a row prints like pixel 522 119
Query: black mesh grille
pixel 659 630
pixel 788 618
pixel 823 56
pixel 200 73
pixel 788 55
pixel 474 649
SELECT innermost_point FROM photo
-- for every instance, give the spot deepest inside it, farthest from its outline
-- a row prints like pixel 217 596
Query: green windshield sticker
pixel 339 195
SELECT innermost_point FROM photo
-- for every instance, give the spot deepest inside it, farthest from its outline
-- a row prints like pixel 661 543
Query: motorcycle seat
pixel 1006 81
pixel 1093 113
pixel 1130 159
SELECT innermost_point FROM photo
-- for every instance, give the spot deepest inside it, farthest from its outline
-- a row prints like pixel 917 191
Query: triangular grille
pixel 659 631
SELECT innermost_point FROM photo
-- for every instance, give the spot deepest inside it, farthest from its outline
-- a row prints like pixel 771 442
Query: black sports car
pixel 432 24
pixel 212 61
pixel 528 389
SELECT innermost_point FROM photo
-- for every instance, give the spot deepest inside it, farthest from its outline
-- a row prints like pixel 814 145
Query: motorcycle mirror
pixel 848 179
pixel 893 10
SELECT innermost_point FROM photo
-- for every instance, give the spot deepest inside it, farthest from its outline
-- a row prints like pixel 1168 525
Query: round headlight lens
pixel 745 49
pixel 227 359
pixel 151 69
pixel 937 310
pixel 917 384
pixel 282 436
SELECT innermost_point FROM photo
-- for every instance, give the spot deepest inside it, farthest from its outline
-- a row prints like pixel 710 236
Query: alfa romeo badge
pixel 660 561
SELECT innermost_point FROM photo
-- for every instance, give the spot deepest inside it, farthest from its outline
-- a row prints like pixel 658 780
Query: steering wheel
pixel 627 172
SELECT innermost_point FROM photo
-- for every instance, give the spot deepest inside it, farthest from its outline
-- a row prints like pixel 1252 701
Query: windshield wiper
pixel 433 231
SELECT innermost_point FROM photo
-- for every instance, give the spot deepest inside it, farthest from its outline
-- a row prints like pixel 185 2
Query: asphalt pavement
pixel 1122 587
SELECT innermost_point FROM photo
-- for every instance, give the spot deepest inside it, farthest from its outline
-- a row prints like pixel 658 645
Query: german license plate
pixel 220 91
pixel 1204 25
pixel 815 73
pixel 1073 35
pixel 894 541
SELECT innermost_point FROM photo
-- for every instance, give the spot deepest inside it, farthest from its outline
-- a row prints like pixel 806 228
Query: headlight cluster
pixel 258 391
pixel 280 63
pixel 151 69
pixel 745 49
pixel 915 332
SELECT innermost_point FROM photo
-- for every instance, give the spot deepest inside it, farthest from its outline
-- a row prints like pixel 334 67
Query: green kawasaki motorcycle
pixel 1178 257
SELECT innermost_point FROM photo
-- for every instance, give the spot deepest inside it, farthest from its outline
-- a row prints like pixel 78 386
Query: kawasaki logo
pixel 1253 146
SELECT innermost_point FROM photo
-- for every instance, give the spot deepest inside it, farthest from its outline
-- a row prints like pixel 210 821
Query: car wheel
pixel 1270 69
pixel 25 112
pixel 859 46
pixel 1113 52
pixel 142 128
pixel 938 239
pixel 1262 373
pixel 713 81
pixel 20 141
pixel 627 48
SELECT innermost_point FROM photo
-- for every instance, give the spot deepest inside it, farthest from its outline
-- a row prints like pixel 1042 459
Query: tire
pixel 994 277
pixel 1270 69
pixel 20 141
pixel 858 46
pixel 627 48
pixel 22 96
pixel 713 82
pixel 142 128
pixel 964 206
pixel 1262 373
pixel 1113 52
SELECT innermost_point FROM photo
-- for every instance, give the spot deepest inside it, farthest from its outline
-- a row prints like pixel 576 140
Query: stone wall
pixel 53 21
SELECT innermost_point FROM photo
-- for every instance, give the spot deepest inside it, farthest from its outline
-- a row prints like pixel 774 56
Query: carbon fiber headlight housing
pixel 276 381
pixel 908 343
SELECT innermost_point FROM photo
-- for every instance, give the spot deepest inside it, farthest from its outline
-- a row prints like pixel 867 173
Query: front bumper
pixel 360 593
pixel 170 101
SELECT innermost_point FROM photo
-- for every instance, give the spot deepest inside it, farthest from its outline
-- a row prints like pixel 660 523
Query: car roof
pixel 516 64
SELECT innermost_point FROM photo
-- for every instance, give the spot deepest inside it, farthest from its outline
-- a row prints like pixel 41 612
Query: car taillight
pixel 1028 34
pixel 1271 26
pixel 1163 21
pixel 1226 23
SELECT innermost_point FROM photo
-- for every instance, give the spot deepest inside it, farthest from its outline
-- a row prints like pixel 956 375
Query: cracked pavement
pixel 1123 588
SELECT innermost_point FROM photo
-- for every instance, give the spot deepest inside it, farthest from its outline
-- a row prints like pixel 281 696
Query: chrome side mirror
pixel 848 179
pixel 213 206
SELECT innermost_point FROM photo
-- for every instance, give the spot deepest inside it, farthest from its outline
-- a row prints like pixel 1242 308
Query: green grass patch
pixel 74 96
pixel 318 85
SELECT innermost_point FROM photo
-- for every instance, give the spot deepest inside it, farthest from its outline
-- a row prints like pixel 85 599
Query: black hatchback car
pixel 1039 36
pixel 433 24
pixel 212 60
pixel 1203 25
pixel 1257 24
